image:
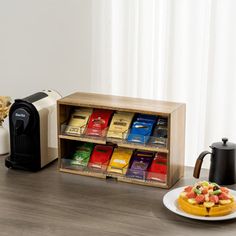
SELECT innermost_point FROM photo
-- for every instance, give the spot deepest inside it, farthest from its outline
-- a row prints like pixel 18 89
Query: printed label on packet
pixel 119 161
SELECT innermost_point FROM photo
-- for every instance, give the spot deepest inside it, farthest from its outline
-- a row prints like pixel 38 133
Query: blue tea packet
pixel 146 118
pixel 140 132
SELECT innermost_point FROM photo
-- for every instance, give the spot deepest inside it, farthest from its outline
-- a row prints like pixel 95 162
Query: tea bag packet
pixel 78 121
pixel 160 133
pixel 100 157
pixel 82 154
pixel 162 122
pixel 120 124
pixel 158 168
pixel 120 160
pixel 98 122
pixel 139 164
pixel 146 118
pixel 142 128
pixel 140 132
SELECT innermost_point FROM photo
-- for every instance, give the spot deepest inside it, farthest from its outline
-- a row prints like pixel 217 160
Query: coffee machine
pixel 33 131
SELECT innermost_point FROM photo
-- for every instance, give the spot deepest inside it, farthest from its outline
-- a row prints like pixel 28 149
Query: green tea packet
pixel 82 154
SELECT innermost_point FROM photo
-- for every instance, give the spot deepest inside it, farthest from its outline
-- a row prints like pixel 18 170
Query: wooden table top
pixel 52 203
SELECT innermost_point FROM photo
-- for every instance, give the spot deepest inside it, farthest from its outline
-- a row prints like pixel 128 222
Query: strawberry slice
pixel 188 189
pixel 224 189
pixel 224 196
pixel 214 198
pixel 205 190
pixel 191 194
pixel 200 198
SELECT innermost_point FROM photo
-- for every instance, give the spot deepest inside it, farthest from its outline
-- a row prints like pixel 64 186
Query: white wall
pixel 44 44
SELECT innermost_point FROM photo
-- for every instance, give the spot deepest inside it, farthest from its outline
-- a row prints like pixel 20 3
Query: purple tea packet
pixel 139 165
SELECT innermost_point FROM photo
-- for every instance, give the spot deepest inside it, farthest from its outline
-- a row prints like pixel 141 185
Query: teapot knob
pixel 224 140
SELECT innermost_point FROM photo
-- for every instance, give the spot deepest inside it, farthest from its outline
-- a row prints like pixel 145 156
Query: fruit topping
pixel 188 189
pixel 208 204
pixel 192 201
pixel 200 198
pixel 197 191
pixel 216 192
pixel 224 189
pixel 207 199
pixel 224 196
pixel 214 199
pixel 205 190
pixel 191 194
pixel 183 194
pixel 207 194
pixel 224 202
pixel 216 187
pixel 205 183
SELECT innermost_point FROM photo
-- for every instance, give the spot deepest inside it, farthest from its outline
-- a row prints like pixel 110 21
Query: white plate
pixel 170 202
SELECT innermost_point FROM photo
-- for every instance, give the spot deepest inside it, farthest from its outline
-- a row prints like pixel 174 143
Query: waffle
pixel 206 199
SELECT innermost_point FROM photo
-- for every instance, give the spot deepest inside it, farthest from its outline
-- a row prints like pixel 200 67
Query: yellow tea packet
pixel 78 121
pixel 120 124
pixel 120 160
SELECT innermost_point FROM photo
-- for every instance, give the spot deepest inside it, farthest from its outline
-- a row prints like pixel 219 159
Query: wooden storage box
pixel 175 148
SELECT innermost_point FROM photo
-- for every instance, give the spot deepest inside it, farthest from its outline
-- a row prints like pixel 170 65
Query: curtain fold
pixel 177 50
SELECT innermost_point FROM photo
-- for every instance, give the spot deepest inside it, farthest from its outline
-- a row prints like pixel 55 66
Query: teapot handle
pixel 198 164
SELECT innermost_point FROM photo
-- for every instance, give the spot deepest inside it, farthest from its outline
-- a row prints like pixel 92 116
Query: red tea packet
pixel 98 122
pixel 100 157
pixel 158 168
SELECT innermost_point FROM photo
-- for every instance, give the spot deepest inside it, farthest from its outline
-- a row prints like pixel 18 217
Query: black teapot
pixel 223 163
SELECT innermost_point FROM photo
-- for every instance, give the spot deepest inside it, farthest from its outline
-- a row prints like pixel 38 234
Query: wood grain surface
pixel 94 100
pixel 50 202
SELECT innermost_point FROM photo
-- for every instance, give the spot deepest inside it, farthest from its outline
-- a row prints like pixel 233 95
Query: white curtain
pixel 177 50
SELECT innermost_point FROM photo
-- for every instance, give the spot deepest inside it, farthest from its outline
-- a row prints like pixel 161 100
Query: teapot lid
pixel 224 145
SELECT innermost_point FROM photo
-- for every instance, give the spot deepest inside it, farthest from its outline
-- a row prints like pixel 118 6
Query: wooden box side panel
pixel 63 112
pixel 58 133
pixel 177 145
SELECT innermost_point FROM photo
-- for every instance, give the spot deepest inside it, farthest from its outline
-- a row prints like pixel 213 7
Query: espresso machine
pixel 33 131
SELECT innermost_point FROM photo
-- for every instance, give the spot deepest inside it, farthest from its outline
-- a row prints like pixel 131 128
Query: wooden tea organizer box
pixel 75 135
